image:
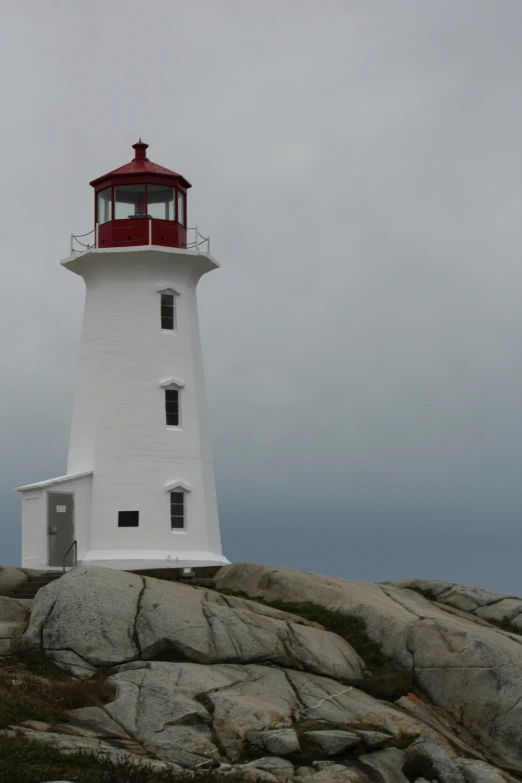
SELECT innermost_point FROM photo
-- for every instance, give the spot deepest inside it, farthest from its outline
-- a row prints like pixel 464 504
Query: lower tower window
pixel 167 311
pixel 128 518
pixel 172 407
pixel 177 510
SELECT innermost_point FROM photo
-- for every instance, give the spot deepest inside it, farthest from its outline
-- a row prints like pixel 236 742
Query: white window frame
pixel 179 486
pixel 181 198
pixel 184 517
pixel 172 387
pixel 165 289
pixel 177 385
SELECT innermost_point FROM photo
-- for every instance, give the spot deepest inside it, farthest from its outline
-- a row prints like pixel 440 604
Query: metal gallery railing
pixel 81 243
pixel 199 243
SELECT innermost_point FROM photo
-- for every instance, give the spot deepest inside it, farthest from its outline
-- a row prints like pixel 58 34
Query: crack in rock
pixel 468 668
pixel 135 635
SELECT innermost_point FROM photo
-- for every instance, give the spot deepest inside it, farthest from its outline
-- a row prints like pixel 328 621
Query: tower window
pixel 167 311
pixel 129 202
pixel 161 202
pixel 128 518
pixel 172 407
pixel 181 207
pixel 105 206
pixel 177 510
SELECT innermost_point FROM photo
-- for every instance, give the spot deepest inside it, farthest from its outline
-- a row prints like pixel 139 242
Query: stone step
pixel 35 583
pixel 32 588
pixel 50 575
pixel 18 593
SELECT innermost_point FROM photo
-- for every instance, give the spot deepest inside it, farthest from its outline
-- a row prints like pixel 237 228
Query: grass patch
pixel 388 680
pixel 22 761
pixel 32 688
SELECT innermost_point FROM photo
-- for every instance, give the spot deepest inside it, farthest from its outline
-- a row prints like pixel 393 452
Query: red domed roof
pixel 139 167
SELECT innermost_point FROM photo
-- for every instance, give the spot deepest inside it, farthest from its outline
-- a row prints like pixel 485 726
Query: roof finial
pixel 139 149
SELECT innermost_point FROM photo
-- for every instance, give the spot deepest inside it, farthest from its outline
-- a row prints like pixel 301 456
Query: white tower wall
pixel 118 430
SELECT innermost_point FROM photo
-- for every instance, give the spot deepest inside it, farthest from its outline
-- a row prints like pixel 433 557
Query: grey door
pixel 60 527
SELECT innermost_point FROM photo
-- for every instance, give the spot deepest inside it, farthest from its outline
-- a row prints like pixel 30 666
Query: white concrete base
pixel 135 561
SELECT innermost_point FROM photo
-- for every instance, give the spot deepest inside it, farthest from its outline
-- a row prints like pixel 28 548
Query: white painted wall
pixel 118 429
pixel 34 518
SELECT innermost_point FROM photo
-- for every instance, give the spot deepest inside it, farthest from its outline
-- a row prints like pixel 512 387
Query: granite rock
pixel 14 617
pixel 98 617
pixel 461 664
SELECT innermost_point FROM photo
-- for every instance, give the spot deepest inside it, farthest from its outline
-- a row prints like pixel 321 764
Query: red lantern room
pixel 141 203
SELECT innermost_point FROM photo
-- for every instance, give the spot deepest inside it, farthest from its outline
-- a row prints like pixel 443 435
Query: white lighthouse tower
pixel 139 491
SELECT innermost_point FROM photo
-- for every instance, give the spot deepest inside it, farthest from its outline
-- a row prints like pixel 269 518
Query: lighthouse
pixel 139 492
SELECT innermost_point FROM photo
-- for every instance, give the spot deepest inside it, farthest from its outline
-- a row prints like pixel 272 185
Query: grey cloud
pixel 358 166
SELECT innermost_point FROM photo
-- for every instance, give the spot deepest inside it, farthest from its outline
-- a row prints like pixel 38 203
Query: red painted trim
pixel 140 166
pixel 141 180
pixel 134 231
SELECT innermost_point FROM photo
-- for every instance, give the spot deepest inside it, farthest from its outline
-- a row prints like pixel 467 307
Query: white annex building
pixel 139 491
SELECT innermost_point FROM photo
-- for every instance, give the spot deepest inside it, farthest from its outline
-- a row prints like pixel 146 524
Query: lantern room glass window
pixel 105 206
pixel 161 202
pixel 181 207
pixel 130 202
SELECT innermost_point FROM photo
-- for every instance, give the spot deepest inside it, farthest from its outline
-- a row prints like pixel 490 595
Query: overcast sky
pixel 358 165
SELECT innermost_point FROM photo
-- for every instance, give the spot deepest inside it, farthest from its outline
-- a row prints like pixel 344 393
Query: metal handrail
pixel 74 546
pixel 199 240
pixel 75 240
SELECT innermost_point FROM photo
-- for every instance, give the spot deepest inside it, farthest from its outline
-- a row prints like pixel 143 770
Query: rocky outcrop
pixel 471 670
pixel 12 578
pixel 197 716
pixel 96 617
pixel 498 608
pixel 205 711
pixel 388 764
pixel 14 617
pixel 253 688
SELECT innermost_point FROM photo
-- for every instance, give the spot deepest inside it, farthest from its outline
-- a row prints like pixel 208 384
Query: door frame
pixel 58 492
